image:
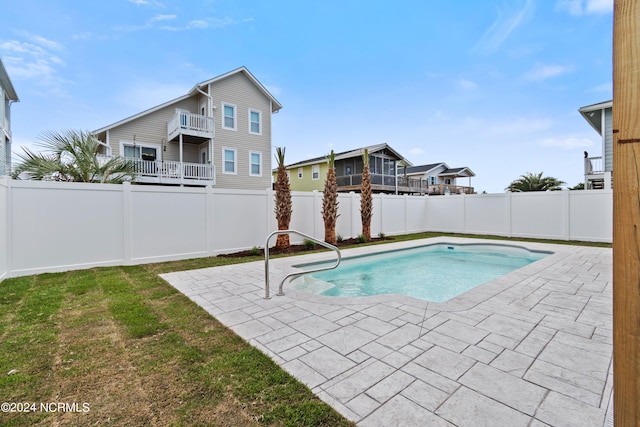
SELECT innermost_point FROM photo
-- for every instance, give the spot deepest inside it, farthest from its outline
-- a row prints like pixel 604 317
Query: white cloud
pixel 585 7
pixel 505 23
pixel 416 151
pixel 568 142
pixel 147 3
pixel 162 17
pixel 33 59
pixel 467 84
pixel 543 72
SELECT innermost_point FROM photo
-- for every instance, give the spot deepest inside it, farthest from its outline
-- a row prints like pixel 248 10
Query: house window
pixel 315 172
pixel 432 180
pixel 255 122
pixel 255 162
pixel 228 116
pixel 229 156
pixel 139 151
pixel 300 173
pixel 347 170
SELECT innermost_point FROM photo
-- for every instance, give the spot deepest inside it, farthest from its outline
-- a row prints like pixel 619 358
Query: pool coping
pixel 464 301
pixel 531 347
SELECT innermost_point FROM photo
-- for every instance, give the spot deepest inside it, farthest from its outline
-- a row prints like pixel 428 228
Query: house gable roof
pixel 5 82
pixel 589 114
pixel 274 102
pixel 423 168
pixel 458 172
pixel 447 171
pixel 350 154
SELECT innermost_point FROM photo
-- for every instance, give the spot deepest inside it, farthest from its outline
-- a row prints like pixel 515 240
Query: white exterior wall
pixel 50 226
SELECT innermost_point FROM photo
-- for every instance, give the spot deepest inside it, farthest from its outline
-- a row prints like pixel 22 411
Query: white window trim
pixel 300 173
pixel 251 164
pixel 141 144
pixel 313 168
pixel 235 116
pixel 253 110
pixel 235 161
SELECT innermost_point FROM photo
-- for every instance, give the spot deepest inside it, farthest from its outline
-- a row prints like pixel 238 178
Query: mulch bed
pixel 297 249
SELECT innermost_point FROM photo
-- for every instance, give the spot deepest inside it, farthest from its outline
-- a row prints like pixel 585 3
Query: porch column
pixel 210 151
pixel 181 164
pixel 626 213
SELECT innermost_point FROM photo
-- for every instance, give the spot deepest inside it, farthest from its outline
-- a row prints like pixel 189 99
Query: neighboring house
pixel 309 175
pixel 7 97
pixel 219 134
pixel 598 169
pixel 438 178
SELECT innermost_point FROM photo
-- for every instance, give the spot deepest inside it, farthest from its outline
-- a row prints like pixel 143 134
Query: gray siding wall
pixel 608 140
pixel 152 129
pixel 240 91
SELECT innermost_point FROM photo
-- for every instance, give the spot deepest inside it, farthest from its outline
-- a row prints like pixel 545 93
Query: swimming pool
pixel 436 272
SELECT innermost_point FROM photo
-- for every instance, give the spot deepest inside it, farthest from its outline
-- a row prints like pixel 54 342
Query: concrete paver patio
pixel 532 348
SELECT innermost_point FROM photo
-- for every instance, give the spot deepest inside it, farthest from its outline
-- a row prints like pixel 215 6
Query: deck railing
pixel 405 184
pixel 189 123
pixel 169 171
pixel 593 165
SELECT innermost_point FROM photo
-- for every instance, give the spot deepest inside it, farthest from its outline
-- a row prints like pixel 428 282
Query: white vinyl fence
pixel 49 226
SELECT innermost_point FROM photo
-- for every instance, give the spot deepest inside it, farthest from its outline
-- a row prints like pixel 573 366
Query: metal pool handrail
pixel 290 275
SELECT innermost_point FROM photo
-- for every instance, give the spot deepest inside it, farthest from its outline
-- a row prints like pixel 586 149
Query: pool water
pixel 435 272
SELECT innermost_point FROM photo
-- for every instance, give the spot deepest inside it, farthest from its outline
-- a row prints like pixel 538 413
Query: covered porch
pixel 171 172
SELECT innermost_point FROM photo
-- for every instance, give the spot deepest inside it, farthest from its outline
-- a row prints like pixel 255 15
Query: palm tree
pixel 366 199
pixel 72 155
pixel 534 182
pixel 283 200
pixel 330 202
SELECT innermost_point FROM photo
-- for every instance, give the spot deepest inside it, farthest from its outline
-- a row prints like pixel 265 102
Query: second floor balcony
pixel 405 185
pixel 193 126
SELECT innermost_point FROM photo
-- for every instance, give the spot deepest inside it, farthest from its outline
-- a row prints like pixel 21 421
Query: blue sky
pixel 491 84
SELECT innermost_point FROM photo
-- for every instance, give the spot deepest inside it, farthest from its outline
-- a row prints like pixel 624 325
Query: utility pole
pixel 626 212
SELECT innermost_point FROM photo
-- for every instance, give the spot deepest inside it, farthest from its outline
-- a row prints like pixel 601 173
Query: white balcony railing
pixel 190 124
pixel 593 165
pixel 171 172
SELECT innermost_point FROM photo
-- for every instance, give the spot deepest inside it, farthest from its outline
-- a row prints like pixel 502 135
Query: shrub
pixel 309 244
pixel 362 238
pixel 339 238
pixel 255 251
pixel 382 235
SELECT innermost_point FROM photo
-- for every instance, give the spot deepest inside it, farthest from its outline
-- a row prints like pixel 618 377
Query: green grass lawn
pixel 120 346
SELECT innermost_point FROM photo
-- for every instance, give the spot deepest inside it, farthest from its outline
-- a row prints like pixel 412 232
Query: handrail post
pixel 290 275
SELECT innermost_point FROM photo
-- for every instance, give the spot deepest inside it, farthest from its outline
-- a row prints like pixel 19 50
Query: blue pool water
pixel 435 272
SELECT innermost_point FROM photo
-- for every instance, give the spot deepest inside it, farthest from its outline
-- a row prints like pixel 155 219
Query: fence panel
pixel 50 226
pixel 487 214
pixel 64 226
pixel 167 223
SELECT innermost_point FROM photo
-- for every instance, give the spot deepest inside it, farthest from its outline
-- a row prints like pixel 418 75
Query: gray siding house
pixel 219 134
pixel 439 179
pixel 598 169
pixel 7 97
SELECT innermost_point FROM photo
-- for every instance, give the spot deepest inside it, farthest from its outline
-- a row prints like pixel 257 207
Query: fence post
pixel 626 212
pixel 9 228
pixel 509 214
pixel 210 219
pixel 566 210
pixel 127 226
